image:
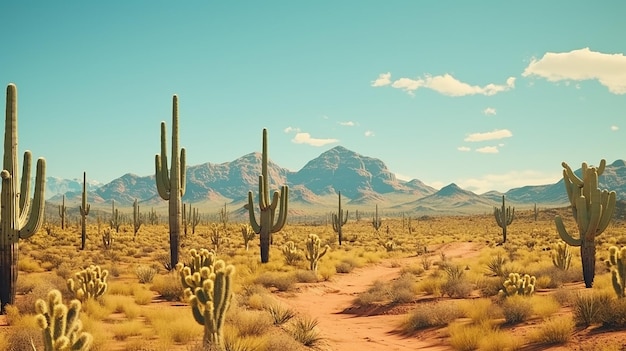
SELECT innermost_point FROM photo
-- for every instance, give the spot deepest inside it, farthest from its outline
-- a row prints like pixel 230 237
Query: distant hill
pixel 363 181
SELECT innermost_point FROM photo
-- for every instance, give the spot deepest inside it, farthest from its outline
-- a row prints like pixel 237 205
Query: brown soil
pixel 346 327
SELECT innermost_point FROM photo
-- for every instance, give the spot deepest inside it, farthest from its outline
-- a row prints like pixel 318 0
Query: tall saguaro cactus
pixel 504 217
pixel 376 221
pixel 84 211
pixel 62 212
pixel 338 220
pixel 592 210
pixel 19 219
pixel 171 183
pixel 137 221
pixel 270 222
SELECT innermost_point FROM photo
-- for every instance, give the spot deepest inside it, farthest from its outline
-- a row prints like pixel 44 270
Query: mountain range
pixel 363 182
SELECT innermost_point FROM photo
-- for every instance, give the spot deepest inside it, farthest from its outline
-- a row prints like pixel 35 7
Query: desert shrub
pixel 28 265
pixel 479 310
pixel 590 307
pixel 489 286
pixel 466 337
pixel 495 266
pixel 544 306
pixel 497 340
pixel 379 292
pixel 142 296
pixel 126 329
pixel 233 341
pixel 145 274
pixel 249 322
pixel 413 269
pixel 280 314
pixel 344 267
pixel 304 330
pixel 554 331
pixel 564 297
pixel 282 342
pixel 615 315
pixel 431 314
pixel 119 288
pixel 280 281
pixel 306 276
pixel 516 309
pixel 168 286
pixel 431 285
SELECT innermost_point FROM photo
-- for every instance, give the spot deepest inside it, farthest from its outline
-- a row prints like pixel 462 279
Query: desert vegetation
pixel 454 282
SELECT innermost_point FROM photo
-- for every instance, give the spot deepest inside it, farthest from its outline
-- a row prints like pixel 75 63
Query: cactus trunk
pixel 18 219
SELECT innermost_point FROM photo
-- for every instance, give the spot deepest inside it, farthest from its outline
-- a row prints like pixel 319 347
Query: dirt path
pixel 341 331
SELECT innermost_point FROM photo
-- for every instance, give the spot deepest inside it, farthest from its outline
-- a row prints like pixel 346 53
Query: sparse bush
pixel 516 309
pixel 590 307
pixel 304 330
pixel 466 337
pixel 495 266
pixel 432 314
pixel 554 331
pixel 145 274
pixel 280 314
pixel 168 286
pixel 280 281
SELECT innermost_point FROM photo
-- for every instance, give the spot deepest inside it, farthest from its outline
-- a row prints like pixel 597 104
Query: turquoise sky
pixel 490 95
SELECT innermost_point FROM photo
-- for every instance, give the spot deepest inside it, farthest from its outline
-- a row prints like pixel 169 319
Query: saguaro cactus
pixel 115 217
pixel 338 220
pixel 562 256
pixel 592 209
pixel 376 221
pixel 504 217
pixel 210 302
pixel 137 222
pixel 62 212
pixel 19 219
pixel 617 264
pixel 62 330
pixel 270 221
pixel 84 211
pixel 314 251
pixel 171 184
pixel 248 234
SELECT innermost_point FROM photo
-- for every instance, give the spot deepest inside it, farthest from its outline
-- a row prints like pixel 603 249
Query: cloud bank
pixel 444 84
pixel 583 64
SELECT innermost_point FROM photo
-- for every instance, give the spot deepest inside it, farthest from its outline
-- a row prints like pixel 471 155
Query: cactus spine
pixel 592 209
pixel 339 220
pixel 377 222
pixel 19 218
pixel 84 211
pixel 171 184
pixel 270 222
pixel 62 330
pixel 137 222
pixel 210 302
pixel 314 251
pixel 62 212
pixel 504 217
pixel 617 264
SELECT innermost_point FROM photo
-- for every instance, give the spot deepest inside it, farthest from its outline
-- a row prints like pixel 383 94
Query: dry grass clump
pixel 168 286
pixel 590 307
pixel 174 327
pixel 280 314
pixel 516 309
pixel 304 330
pixel 122 304
pixel 248 322
pixel 278 280
pixel 401 290
pixel 126 329
pixel 479 310
pixel 431 314
pixel 467 337
pixel 544 306
pixel 145 274
pixel 554 331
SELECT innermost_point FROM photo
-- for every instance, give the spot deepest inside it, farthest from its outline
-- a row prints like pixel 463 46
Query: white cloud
pixel 582 64
pixel 305 138
pixel 369 133
pixel 614 128
pixel 348 124
pixel 448 85
pixel 291 130
pixel 507 181
pixel 489 111
pixel 463 148
pixel 496 134
pixel 382 80
pixel 488 150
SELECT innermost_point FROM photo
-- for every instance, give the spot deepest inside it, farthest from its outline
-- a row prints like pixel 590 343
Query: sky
pixel 489 95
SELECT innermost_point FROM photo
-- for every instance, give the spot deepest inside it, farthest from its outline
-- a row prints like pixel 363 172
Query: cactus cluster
pixel 62 328
pixel 291 253
pixel 209 293
pixel 562 256
pixel 314 251
pixel 269 221
pixel 20 218
pixel 171 183
pixel 516 284
pixel 504 217
pixel 617 264
pixel 90 283
pixel 592 210
pixel 338 220
pixel 248 234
